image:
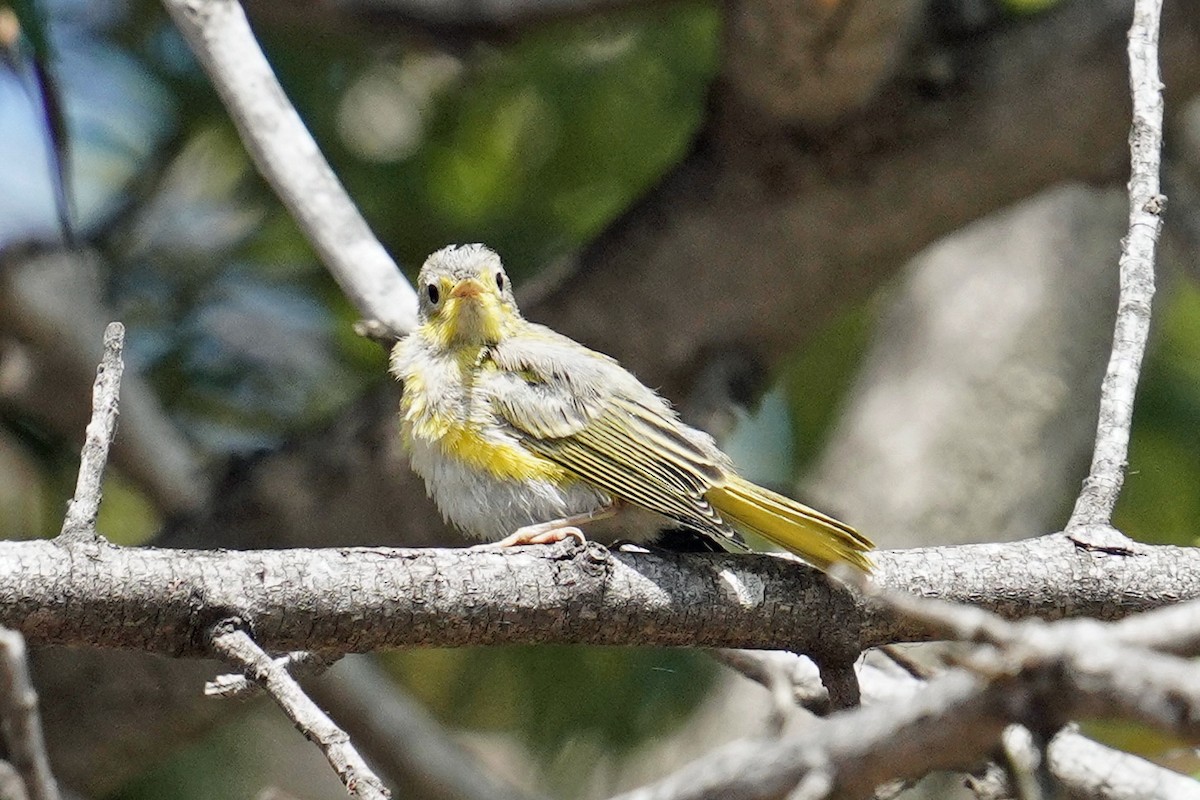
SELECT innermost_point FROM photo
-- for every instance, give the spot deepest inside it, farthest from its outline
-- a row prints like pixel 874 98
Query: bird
pixel 524 436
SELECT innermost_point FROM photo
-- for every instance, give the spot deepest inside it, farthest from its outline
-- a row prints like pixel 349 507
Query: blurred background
pixel 772 210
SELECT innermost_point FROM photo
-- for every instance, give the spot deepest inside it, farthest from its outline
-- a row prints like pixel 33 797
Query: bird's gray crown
pixel 460 261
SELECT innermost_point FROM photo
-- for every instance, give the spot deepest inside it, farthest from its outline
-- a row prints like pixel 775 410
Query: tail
pixel 820 540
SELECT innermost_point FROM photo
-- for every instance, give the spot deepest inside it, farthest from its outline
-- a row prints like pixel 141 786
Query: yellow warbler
pixel 522 434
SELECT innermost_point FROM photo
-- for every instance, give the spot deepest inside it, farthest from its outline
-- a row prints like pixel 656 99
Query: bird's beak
pixel 467 287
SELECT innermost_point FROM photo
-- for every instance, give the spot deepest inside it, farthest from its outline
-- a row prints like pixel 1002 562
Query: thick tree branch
pixel 233 644
pixel 1103 485
pixel 361 599
pixel 1041 156
pixel 835 216
pixel 286 155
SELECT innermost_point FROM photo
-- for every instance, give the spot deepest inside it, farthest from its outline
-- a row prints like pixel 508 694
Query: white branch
pixel 288 157
pixel 1103 485
pixel 234 645
pixel 298 663
pixel 80 521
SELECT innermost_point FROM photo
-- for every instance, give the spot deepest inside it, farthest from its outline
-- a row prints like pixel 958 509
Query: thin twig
pixel 1103 485
pixel 286 155
pixel 234 645
pixel 20 721
pixel 298 663
pixel 80 522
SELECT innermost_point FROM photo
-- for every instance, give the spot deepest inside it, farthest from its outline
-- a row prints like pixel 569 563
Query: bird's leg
pixel 556 530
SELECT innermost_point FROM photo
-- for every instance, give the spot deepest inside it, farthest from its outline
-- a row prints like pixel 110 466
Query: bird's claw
pixel 536 534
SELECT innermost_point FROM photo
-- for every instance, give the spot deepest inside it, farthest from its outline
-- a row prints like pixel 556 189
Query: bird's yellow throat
pixel 474 314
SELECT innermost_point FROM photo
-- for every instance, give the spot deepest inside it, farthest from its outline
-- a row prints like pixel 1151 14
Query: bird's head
pixel 465 296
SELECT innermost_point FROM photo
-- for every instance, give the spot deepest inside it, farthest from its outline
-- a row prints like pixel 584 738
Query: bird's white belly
pixel 488 507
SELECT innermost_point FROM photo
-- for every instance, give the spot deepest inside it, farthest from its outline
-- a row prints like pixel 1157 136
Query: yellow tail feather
pixel 818 539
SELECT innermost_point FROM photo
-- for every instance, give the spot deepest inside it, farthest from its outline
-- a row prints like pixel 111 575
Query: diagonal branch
pixel 80 522
pixel 286 155
pixel 234 645
pixel 1103 485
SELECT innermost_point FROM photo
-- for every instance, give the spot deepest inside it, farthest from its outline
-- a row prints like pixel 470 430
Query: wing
pixel 585 412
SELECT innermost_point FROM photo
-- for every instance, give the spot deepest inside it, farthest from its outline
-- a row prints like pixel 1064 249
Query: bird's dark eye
pixel 432 291
pixel 500 281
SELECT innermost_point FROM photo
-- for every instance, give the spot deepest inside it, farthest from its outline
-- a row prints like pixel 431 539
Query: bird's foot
pixel 536 534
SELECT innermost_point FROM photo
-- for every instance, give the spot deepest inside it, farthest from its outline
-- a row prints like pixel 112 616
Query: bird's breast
pixel 454 422
pixel 483 480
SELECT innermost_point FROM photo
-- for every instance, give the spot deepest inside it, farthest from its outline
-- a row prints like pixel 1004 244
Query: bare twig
pixel 794 680
pixel 298 663
pixel 1026 765
pixel 20 721
pixel 1087 769
pixel 1173 629
pixel 80 522
pixel 234 645
pixel 1103 485
pixel 1083 767
pixel 286 155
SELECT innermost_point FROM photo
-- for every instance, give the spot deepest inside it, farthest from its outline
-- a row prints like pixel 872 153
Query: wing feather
pixel 583 411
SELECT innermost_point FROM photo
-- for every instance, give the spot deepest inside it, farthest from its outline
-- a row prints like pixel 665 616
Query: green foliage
pixel 532 148
pixel 126 517
pixel 179 776
pixel 819 376
pixel 1028 6
pixel 1144 741
pixel 614 698
pixel 1159 502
